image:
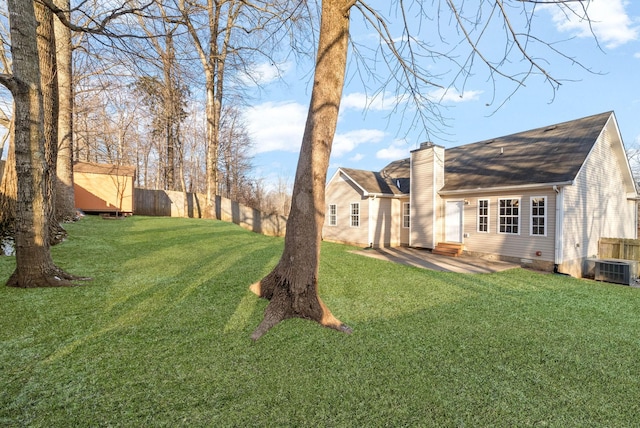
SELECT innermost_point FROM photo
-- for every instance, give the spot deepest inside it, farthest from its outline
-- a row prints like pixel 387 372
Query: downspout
pixel 370 222
pixel 559 227
pixel 434 207
pixel 411 207
pixel 636 216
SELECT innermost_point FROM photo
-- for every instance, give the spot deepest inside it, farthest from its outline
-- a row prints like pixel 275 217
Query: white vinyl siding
pixel 483 215
pixel 520 246
pixel 333 215
pixel 509 216
pixel 342 192
pixel 355 214
pixel 538 223
pixel 597 206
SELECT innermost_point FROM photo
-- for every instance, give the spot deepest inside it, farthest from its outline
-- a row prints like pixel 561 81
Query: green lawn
pixel 160 337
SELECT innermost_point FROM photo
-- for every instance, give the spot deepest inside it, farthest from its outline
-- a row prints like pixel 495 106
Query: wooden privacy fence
pixel 168 203
pixel 179 204
pixel 618 248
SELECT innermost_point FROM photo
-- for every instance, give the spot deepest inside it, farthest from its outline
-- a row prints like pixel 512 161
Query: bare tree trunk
pixel 213 142
pixel 34 265
pixel 292 286
pixel 170 110
pixel 8 187
pixel 65 199
pixel 213 60
pixel 49 87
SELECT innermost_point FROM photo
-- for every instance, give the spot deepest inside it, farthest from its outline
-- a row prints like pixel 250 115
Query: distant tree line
pixel 161 84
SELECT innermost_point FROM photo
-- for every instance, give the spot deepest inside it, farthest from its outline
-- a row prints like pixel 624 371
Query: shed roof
pixel 550 154
pixel 103 168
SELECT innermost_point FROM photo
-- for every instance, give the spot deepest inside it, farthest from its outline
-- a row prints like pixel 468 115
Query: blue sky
pixel 371 133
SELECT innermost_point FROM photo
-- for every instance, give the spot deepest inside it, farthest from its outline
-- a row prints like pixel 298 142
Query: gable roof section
pixel 393 180
pixel 551 154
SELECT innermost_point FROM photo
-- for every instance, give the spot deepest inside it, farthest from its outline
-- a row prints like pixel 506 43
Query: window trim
pixel 487 215
pixel 333 216
pixel 544 216
pixel 353 216
pixel 519 216
pixel 406 215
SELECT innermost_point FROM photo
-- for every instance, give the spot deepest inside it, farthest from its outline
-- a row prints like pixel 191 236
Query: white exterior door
pixel 453 221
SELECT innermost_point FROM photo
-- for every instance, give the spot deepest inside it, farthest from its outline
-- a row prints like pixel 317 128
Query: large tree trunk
pixel 34 265
pixel 292 286
pixel 49 88
pixel 65 198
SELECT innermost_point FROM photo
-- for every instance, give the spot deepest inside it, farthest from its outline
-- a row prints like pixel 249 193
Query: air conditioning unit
pixel 616 271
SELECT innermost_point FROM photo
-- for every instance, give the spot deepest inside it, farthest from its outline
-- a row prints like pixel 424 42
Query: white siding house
pixel 370 216
pixel 542 198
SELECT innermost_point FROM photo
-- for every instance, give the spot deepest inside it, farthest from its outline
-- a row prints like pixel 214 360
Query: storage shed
pixel 103 188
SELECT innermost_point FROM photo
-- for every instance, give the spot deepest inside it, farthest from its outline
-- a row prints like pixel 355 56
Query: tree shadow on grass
pixel 168 282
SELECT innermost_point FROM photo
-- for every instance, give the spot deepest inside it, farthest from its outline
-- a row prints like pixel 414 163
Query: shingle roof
pixel 550 154
pixel 372 182
pixel 103 168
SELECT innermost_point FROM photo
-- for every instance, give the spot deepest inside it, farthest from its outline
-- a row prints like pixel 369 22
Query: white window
pixel 483 215
pixel 333 215
pixel 539 215
pixel 509 216
pixel 406 215
pixel 355 214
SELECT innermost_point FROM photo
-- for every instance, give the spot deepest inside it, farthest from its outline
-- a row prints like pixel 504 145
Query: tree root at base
pixel 283 305
pixel 52 278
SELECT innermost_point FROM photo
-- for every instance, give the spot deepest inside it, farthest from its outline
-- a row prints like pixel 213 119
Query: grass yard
pixel 160 337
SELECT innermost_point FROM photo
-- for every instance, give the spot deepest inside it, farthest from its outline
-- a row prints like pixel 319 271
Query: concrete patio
pixel 426 260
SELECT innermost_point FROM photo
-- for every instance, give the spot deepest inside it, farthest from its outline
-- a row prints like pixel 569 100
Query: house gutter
pixel 558 184
pixel 384 195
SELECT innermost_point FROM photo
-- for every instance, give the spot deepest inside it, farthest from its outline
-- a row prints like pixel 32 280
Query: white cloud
pixel 348 141
pixel 379 102
pixel 398 149
pixel 276 126
pixel 609 21
pixel 280 126
pixel 265 73
pixel 357 157
pixel 636 55
pixel 452 95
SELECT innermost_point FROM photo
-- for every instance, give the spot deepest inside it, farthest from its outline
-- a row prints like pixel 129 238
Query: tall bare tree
pixel 8 185
pixel 235 33
pixel 65 199
pixel 292 286
pixel 169 89
pixel 235 161
pixel 34 265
